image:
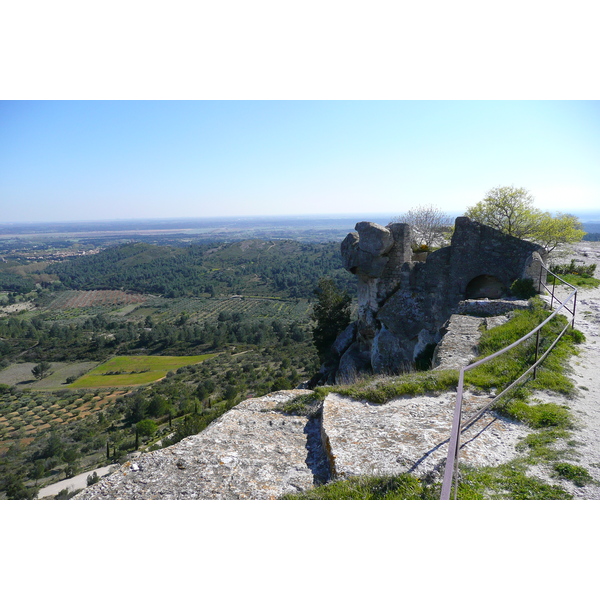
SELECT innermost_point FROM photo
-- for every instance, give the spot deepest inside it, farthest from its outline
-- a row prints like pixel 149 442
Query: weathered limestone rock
pixel 353 362
pixel 344 340
pixel 388 352
pixel 374 239
pixel 458 347
pixel 410 435
pixel 251 452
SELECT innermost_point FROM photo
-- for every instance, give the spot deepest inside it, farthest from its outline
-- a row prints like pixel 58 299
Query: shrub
pixel 93 478
pixel 573 269
pixel 523 289
pixel 66 494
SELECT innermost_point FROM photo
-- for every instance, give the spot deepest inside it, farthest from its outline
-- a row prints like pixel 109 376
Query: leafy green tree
pixel 230 392
pixel 331 314
pixel 41 370
pixel 146 428
pixel 511 211
pixel 508 209
pixel 561 229
pixel 281 383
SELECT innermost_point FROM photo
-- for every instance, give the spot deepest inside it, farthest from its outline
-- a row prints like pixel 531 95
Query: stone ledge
pixel 410 435
pixel 458 347
pixel 251 452
pixel 489 308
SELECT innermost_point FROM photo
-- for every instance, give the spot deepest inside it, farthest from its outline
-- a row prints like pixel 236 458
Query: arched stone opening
pixel 485 286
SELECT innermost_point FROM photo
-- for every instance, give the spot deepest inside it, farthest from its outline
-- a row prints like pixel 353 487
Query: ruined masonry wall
pixel 403 304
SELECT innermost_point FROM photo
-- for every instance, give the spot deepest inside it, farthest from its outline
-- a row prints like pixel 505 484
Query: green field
pixel 135 370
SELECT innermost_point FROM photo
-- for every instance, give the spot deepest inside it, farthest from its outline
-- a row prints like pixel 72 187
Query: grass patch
pixel 400 487
pixel 578 475
pixel 307 405
pixel 135 370
pixel 551 374
pixel 418 383
pixel 576 274
pixel 540 445
pixel 506 482
pixel 579 280
pixel 537 416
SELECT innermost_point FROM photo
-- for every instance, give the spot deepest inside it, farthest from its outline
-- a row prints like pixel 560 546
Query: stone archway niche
pixel 485 286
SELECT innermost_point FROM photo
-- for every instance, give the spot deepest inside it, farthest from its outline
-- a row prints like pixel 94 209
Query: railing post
pixel 454 442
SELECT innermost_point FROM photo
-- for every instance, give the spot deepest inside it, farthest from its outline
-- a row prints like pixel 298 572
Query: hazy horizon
pixel 590 215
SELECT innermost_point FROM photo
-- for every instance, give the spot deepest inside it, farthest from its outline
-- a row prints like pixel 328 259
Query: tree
pixel 230 392
pixel 428 224
pixel 71 457
pixel 15 489
pixel 561 229
pixel 508 209
pixel 281 383
pixel 146 428
pixel 511 211
pixel 41 370
pixel 332 315
pixel 37 470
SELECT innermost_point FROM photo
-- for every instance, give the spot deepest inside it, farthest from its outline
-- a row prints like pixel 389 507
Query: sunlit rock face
pixel 403 304
pixel 253 452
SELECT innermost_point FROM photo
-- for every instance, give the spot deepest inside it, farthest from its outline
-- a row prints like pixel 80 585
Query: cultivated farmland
pixel 208 309
pixel 20 375
pixel 84 299
pixel 135 370
pixel 32 413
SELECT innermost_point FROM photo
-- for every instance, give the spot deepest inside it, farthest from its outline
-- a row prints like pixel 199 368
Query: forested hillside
pixel 256 267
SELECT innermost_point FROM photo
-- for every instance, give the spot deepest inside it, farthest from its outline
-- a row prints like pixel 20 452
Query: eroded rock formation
pixel 404 303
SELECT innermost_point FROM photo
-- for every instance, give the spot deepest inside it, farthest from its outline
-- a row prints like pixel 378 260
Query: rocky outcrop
pixel 253 451
pixel 409 435
pixel 458 346
pixel 403 303
pixel 257 452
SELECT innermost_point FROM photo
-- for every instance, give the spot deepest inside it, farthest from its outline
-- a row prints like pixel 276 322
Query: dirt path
pixel 586 373
pixel 79 482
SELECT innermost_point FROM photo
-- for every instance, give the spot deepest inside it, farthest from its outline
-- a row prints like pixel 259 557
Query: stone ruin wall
pixel 403 304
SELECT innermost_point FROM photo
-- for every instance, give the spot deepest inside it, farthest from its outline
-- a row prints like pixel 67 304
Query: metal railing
pixel 451 469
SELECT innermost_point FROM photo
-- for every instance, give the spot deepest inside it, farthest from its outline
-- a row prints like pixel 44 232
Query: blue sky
pixel 87 160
